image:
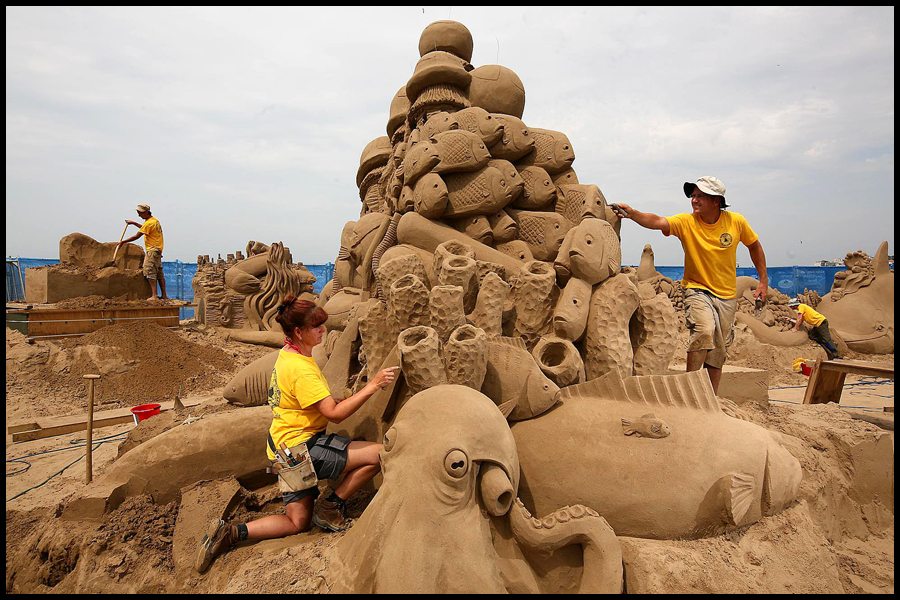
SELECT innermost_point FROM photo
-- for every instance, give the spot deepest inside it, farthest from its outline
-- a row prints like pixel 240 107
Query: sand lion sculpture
pixel 533 421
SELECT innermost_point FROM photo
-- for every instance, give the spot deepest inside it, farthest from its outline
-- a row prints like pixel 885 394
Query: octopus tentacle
pixel 603 571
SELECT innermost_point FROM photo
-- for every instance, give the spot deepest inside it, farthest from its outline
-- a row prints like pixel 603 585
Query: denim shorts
pixel 329 455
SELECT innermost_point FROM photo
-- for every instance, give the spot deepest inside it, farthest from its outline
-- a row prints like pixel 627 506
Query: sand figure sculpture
pixel 86 268
pixel 451 476
pixel 185 454
pixel 646 272
pixel 459 167
pixel 860 306
pixel 609 424
pixel 238 293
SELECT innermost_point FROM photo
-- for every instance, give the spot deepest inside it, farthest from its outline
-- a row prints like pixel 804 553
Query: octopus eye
pixel 390 439
pixel 456 464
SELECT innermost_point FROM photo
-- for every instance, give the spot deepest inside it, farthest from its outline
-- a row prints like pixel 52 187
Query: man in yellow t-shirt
pixel 153 242
pixel 709 236
pixel 819 332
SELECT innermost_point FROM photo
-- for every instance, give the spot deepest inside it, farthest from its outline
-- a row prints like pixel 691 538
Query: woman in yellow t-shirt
pixel 302 407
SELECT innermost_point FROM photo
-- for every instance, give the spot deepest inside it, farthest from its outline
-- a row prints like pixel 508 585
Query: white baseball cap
pixel 708 185
pixel 143 208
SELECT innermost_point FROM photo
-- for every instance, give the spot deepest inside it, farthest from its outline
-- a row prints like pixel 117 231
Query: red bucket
pixel 805 369
pixel 144 411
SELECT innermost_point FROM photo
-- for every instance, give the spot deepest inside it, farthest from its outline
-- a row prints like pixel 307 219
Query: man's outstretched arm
pixel 647 220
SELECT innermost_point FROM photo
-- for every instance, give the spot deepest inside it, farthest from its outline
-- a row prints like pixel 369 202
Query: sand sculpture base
pixel 48 285
pixel 86 268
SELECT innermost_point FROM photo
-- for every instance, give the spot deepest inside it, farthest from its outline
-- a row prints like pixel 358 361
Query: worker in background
pixel 153 242
pixel 709 236
pixel 819 332
pixel 302 407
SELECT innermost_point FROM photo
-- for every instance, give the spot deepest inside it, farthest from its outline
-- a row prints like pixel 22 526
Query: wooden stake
pixel 90 427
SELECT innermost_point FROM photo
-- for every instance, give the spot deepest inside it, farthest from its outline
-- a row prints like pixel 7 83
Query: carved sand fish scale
pixel 687 390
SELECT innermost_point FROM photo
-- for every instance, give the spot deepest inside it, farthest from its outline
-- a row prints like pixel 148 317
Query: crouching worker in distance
pixel 302 406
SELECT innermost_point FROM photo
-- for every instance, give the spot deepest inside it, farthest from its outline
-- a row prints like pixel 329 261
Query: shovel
pixel 112 263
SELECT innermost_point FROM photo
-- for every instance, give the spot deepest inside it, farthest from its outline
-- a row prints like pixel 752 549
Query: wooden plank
pixel 22 427
pixel 860 367
pixel 70 424
pixel 814 375
pixel 60 322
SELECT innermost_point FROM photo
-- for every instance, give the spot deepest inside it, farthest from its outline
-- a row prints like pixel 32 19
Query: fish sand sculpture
pixel 709 474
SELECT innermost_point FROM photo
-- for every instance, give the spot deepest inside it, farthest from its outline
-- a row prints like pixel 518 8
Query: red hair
pixel 295 312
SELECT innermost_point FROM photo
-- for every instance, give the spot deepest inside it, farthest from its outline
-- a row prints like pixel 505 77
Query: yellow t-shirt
pixel 296 385
pixel 710 251
pixel 153 236
pixel 810 316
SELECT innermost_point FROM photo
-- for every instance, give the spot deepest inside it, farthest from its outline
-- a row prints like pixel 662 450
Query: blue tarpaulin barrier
pixel 788 280
pixel 178 278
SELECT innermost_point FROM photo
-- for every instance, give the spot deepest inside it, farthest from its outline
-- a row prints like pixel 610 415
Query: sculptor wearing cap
pixel 153 241
pixel 709 236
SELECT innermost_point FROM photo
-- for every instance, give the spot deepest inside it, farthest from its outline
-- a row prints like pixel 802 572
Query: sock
pixel 333 497
pixel 242 532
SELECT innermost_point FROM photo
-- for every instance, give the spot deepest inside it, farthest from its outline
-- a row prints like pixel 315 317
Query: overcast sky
pixel 248 123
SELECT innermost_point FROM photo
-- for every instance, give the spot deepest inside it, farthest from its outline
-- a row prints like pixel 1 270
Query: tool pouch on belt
pixel 299 477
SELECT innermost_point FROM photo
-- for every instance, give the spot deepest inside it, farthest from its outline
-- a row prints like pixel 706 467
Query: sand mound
pixel 139 362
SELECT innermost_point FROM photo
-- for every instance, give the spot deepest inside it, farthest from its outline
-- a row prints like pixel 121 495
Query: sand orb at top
pixel 497 89
pixel 448 36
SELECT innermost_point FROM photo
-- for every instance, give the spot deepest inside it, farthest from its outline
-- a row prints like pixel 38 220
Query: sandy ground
pixel 131 551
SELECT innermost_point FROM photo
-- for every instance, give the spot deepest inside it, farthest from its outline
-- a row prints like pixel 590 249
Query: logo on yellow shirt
pixel 725 239
pixel 274 391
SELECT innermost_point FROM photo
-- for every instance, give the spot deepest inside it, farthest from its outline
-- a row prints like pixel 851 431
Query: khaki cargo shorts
pixel 711 321
pixel 152 264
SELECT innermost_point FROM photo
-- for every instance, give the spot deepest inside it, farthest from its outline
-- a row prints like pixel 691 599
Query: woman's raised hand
pixel 385 377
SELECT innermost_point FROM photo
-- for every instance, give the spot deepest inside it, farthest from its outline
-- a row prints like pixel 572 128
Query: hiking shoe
pixel 219 538
pixel 328 516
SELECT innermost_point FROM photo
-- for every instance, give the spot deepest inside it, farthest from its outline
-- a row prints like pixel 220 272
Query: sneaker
pixel 328 516
pixel 219 538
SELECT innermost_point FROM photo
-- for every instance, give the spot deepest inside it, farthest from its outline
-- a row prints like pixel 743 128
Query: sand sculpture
pixel 242 293
pixel 484 269
pixel 186 454
pixel 456 463
pixel 608 423
pixel 86 268
pixel 860 306
pixel 461 192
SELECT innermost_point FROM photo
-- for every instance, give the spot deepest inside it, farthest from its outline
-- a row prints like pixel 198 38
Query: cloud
pixel 244 122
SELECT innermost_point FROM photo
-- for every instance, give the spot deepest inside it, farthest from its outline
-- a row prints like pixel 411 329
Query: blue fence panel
pixel 787 280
